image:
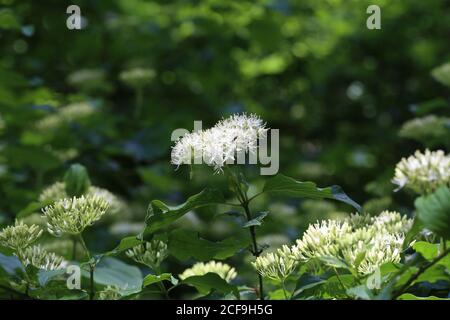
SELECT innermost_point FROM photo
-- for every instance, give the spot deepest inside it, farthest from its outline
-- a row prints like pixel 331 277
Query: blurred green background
pixel 338 92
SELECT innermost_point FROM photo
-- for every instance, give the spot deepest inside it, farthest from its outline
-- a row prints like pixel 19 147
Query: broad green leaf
pixel 409 296
pixel 113 272
pixel 257 220
pixel 434 211
pixel 45 276
pixel 307 281
pixel 125 244
pixel 334 262
pixel 428 250
pixel 76 180
pixel 10 265
pixel 360 292
pixel 211 281
pixel 161 215
pixel 152 278
pixel 412 233
pixel 287 186
pixel 184 244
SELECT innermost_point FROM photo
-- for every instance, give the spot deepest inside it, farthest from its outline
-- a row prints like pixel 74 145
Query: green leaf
pixel 77 180
pixel 360 292
pixel 32 208
pixel 10 265
pixel 152 278
pixel 113 272
pixel 184 244
pixel 211 281
pixel 287 186
pixel 434 211
pixel 160 215
pixel 307 281
pixel 334 262
pixel 409 296
pixel 412 233
pixel 257 220
pixel 428 250
pixel 125 244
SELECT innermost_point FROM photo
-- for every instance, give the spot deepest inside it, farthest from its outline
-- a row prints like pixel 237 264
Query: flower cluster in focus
pixel 363 242
pixel 220 144
pixel 151 254
pixel 73 215
pixel 423 172
pixel 224 271
pixel 276 265
pixel 57 191
pixel 19 236
pixel 40 258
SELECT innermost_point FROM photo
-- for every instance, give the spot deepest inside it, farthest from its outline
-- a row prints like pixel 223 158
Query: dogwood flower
pixel 423 172
pixel 220 144
pixel 40 258
pixel 361 241
pixel 19 236
pixel 57 191
pixel 149 253
pixel 73 215
pixel 137 77
pixel 276 265
pixel 222 269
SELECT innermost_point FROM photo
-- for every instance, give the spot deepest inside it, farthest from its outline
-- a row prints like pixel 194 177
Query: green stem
pixel 418 273
pixel 74 249
pixel 283 285
pixel 244 201
pixel 161 285
pixel 91 268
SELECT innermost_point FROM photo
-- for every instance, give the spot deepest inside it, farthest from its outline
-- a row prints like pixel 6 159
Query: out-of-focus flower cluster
pixel 73 215
pixel 363 242
pixel 220 144
pixel 65 115
pixel 224 271
pixel 57 191
pixel 423 172
pixel 276 265
pixel 442 74
pixel 426 128
pixel 151 253
pixel 137 77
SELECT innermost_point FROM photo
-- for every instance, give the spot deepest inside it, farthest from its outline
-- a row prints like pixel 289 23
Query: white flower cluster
pixel 222 269
pixel 137 77
pixel 423 172
pixel 425 128
pixel 19 236
pixel 40 258
pixel 73 215
pixel 276 265
pixel 57 191
pixel 110 293
pixel 151 254
pixel 64 115
pixel 362 242
pixel 220 144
